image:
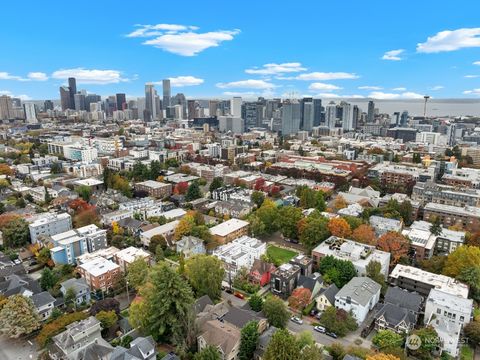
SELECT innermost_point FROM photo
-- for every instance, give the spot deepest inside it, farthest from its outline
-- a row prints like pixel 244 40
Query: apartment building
pixel 445 194
pixel 464 177
pixel 126 256
pixel 451 215
pixel 399 174
pixel 100 274
pixel 155 188
pixel 229 230
pixel 48 224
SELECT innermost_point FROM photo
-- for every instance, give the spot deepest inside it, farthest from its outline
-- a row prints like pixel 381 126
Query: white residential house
pixel 359 295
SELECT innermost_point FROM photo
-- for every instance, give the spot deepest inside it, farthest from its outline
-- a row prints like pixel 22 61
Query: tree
pixel 43 256
pixel 387 339
pixel 137 273
pixel 48 279
pixel 193 192
pixel 436 227
pixel 472 331
pixel 463 257
pixel 406 211
pixel 382 356
pixel 205 274
pixel 435 264
pixel 18 317
pixel 429 341
pixel 70 296
pixel 365 234
pixel 86 217
pixel 300 299
pixel 320 201
pixel 181 188
pixel 157 240
pixel 374 272
pixel 276 312
pixel 107 318
pixel 313 230
pixel 339 227
pixel 257 198
pixel 166 300
pixel 255 302
pixel 216 183
pixel 394 243
pixel 336 351
pixel 307 198
pixel 268 214
pixel 282 346
pixel 107 304
pixel 6 170
pixel 84 191
pixel 184 226
pixel 208 353
pixel 248 340
pixel 338 321
pixel 336 271
pixel 15 233
pixel 353 221
pixel 289 216
pixel 339 203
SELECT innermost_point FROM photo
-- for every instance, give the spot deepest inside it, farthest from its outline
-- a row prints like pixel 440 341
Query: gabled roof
pixel 18 284
pixel 77 284
pixel 97 350
pixel 403 298
pixel 394 315
pixel 262 267
pixel 309 282
pixel 360 289
pixel 221 334
pixel 330 293
pixel 42 299
pixel 201 303
pixel 240 317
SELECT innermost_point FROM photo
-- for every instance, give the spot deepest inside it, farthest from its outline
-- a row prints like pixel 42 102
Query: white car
pixel 320 329
pixel 296 320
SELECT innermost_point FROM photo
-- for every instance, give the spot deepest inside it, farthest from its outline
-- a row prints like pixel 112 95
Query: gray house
pixel 190 245
pixel 80 287
pixel 142 348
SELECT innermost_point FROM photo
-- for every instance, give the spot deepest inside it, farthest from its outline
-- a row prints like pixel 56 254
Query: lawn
pixel 279 255
pixel 466 353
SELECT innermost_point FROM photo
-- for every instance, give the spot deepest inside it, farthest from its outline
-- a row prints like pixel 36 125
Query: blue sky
pixel 383 49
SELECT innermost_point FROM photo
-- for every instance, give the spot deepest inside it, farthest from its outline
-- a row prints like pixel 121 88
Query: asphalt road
pixel 17 349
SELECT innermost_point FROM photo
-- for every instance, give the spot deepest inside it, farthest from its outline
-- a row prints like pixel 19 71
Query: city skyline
pixel 222 52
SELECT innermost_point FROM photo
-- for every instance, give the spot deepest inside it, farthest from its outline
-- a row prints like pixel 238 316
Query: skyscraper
pixel 212 107
pixel 5 107
pixel 308 115
pixel 47 105
pixel 371 112
pixel 65 98
pixel 396 118
pixel 72 86
pixel 191 107
pixel 167 95
pixel 121 101
pixel 331 115
pixel 291 116
pixel 30 113
pixel 150 108
pixel 347 117
pixel 317 111
pixel 236 106
pixel 79 100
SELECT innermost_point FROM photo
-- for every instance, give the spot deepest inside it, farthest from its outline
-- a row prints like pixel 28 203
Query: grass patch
pixel 124 313
pixel 279 256
pixel 466 353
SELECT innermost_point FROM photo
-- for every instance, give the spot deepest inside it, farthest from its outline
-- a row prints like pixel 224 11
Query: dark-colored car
pixel 331 334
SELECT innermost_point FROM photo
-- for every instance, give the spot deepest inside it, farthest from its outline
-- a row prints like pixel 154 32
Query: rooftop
pixel 99 266
pixel 228 227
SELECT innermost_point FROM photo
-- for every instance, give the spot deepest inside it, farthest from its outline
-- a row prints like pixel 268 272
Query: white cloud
pixel 37 76
pixel 451 40
pixel 21 96
pixel 337 96
pixel 7 76
pixel 437 87
pixel 323 86
pixel 471 76
pixel 271 69
pixel 182 40
pixel 181 81
pixel 472 92
pixel 247 84
pixel 392 96
pixel 90 76
pixel 400 89
pixel 476 63
pixel 393 55
pixel 324 76
pixel 366 87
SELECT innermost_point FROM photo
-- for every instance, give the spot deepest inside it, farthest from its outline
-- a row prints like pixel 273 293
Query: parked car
pixel 294 241
pixel 313 312
pixel 239 295
pixel 296 320
pixel 320 329
pixel 331 334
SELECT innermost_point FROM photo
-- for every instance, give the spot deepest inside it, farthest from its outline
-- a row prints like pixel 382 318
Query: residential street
pixel 17 349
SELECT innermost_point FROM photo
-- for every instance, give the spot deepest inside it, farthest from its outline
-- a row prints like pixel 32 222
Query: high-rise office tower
pixel 191 107
pixel 331 115
pixel 249 114
pixel 150 108
pixel 371 112
pixel 167 93
pixel 180 99
pixel 404 118
pixel 65 98
pixel 347 117
pixel 79 102
pixel 308 115
pixel 291 117
pixel 212 107
pixel 396 118
pixel 47 105
pixel 236 106
pixel 5 107
pixel 141 108
pixel 317 112
pixel 90 99
pixel 30 113
pixel 72 86
pixel 121 101
pixel 356 116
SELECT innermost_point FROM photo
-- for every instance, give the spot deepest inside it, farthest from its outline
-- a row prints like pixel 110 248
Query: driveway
pixel 17 349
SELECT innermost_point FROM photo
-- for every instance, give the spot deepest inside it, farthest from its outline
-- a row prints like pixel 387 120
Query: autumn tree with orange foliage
pixel 86 217
pixel 365 234
pixel 382 356
pixel 394 243
pixel 339 203
pixel 300 299
pixel 5 219
pixel 339 227
pixel 6 170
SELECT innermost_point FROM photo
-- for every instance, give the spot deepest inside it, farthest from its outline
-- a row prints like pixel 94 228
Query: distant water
pixel 435 107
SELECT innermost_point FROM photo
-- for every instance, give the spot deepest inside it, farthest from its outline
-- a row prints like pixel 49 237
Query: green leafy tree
pixel 338 321
pixel 429 342
pixel 462 258
pixel 276 311
pixel 268 214
pixel 193 192
pixel 16 233
pixel 320 201
pixel 48 279
pixel 107 318
pixel 313 230
pixel 166 300
pixel 374 272
pixel 208 353
pixel 155 241
pixel 257 226
pixel 48 197
pixel 137 273
pixel 248 340
pixel 84 191
pixel 255 302
pixel 216 183
pixel 471 277
pixel 257 198
pixel 436 227
pixel 406 211
pixel 472 331
pixel 387 339
pixel 311 352
pixel 205 273
pixel 43 256
pixel 18 317
pixel 336 271
pixel 282 346
pixel 70 296
pixel 308 198
pixel 289 217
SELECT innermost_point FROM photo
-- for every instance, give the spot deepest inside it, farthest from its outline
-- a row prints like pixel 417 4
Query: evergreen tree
pixel 248 340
